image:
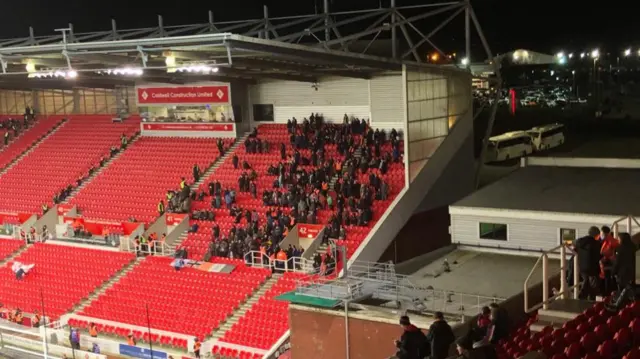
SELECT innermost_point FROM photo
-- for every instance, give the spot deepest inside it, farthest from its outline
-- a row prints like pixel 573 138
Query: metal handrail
pixel 564 289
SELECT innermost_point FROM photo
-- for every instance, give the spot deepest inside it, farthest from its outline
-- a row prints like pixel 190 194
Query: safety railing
pixel 562 250
pixel 294 264
pixel 159 249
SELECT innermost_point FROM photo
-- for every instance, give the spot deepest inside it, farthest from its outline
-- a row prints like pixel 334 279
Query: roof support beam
pixel 268 65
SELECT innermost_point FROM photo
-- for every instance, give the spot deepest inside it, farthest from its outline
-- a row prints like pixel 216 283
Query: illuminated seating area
pixel 188 301
pixel 594 334
pixel 8 246
pixel 59 161
pixel 276 134
pixel 17 146
pixel 133 184
pixel 63 275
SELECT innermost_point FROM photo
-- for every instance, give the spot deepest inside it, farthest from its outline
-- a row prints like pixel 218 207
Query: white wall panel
pixel 387 104
pixel 331 91
pixel 527 234
pixel 330 113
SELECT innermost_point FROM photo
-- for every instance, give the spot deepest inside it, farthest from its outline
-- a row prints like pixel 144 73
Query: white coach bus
pixel 546 137
pixel 508 146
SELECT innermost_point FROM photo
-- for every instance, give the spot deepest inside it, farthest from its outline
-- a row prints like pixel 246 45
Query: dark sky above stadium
pixel 541 25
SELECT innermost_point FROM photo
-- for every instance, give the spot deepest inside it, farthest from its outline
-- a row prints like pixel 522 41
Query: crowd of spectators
pixel 12 127
pixel 302 186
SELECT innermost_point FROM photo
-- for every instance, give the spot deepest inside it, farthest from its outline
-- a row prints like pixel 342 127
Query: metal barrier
pixel 563 250
pixel 160 249
pixel 294 264
pixel 560 250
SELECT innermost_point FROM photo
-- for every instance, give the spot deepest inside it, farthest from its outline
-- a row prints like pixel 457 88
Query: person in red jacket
pixel 608 245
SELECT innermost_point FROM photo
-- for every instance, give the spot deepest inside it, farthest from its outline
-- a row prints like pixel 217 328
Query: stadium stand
pixel 27 138
pixel 8 246
pixel 267 319
pixel 63 276
pixel 134 183
pixel 190 301
pixel 277 134
pixel 595 333
pixel 59 161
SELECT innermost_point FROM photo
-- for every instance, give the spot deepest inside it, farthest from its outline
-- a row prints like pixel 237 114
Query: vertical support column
pixel 576 276
pixel 114 30
pixel 394 34
pixel 76 101
pixel 212 27
pixel 72 36
pixel 563 272
pixel 32 36
pixel 467 32
pixel 616 231
pixel 327 32
pixel 265 11
pixel 545 281
pixel 160 26
pixel 629 226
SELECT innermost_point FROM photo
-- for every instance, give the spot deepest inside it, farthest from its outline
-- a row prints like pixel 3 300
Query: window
pixel 263 113
pixel 567 235
pixel 494 231
pixel 553 132
pixel 514 142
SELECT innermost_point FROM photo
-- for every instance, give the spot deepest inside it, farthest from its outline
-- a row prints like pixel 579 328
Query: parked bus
pixel 546 137
pixel 508 146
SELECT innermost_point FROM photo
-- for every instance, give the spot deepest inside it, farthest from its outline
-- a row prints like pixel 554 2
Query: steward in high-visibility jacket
pixel 196 347
pixel 160 208
pixel 93 330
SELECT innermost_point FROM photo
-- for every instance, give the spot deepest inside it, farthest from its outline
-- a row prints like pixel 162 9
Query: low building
pixel 548 201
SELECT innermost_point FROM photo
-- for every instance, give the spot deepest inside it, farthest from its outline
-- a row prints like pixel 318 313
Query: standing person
pixel 93 330
pixel 608 246
pixel 440 336
pixel 588 250
pixel 196 173
pixel 624 268
pixel 500 319
pixel 161 208
pixel 196 348
pixel 74 338
pixel 413 344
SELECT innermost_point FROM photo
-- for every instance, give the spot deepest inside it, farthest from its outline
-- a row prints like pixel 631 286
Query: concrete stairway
pixel 33 146
pixel 559 312
pixel 99 170
pixel 14 255
pixel 219 162
pixel 172 247
pixel 108 284
pixel 244 308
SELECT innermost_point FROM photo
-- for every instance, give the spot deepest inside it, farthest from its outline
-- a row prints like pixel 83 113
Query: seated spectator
pixel 413 343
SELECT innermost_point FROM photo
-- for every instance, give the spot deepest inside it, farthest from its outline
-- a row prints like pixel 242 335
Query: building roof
pixel 601 191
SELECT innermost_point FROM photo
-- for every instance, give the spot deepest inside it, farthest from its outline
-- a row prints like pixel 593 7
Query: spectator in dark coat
pixel 588 250
pixel 624 268
pixel 413 343
pixel 440 336
pixel 500 319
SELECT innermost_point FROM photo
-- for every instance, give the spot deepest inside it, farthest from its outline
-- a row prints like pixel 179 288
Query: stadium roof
pixel 601 191
pixel 300 48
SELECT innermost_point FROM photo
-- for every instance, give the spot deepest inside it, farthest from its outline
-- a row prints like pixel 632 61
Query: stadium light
pixel 67 74
pixel 627 52
pixel 170 61
pixel 126 71
pixel 204 69
pixel 30 67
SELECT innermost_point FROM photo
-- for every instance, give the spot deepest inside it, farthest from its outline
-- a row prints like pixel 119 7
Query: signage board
pixel 177 95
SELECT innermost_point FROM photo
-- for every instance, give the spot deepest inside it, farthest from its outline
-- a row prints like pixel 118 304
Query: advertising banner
pixel 174 219
pixel 183 95
pixel 309 230
pixel 141 353
pixel 188 126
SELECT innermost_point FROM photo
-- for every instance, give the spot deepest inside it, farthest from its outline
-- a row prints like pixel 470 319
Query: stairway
pixel 108 284
pixel 559 312
pixel 218 162
pixel 14 255
pixel 172 247
pixel 100 169
pixel 32 146
pixel 244 308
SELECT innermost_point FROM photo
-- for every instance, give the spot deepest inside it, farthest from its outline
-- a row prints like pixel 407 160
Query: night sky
pixel 546 26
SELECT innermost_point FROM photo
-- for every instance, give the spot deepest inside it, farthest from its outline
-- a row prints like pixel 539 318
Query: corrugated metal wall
pixel 529 234
pixel 387 104
pixel 14 102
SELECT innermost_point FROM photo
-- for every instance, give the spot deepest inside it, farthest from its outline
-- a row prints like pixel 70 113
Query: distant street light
pixel 571 55
pixel 627 52
pixel 560 55
pixel 595 53
pixel 582 55
pixel 465 61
